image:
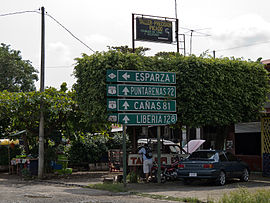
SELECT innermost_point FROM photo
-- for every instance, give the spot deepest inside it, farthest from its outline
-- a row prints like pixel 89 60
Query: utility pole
pixel 41 123
pixel 177 35
pixel 176 28
pixel 175 6
pixel 133 35
pixel 191 32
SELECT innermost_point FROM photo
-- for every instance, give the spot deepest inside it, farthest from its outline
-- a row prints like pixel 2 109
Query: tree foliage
pixel 16 75
pixel 21 111
pixel 93 148
pixel 209 91
pixel 126 49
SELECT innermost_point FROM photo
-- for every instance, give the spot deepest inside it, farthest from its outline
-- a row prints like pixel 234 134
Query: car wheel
pixel 245 175
pixel 162 178
pixel 221 179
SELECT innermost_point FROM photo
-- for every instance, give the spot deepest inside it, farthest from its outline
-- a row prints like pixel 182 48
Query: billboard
pixel 154 30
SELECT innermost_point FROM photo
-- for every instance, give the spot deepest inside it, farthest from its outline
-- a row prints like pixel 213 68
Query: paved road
pixel 35 192
pixel 12 189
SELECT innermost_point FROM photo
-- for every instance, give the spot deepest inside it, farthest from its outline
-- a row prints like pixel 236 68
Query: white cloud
pixel 99 42
pixel 241 31
pixel 58 65
pixel 58 54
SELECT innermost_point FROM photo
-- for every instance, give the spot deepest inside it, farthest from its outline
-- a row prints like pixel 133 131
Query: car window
pixel 202 155
pixel 222 157
pixel 230 156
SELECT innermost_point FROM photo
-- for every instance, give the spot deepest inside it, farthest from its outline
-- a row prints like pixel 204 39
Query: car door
pixel 235 166
pixel 225 164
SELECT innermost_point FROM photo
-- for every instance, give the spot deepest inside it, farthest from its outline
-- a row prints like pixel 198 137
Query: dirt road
pixel 12 189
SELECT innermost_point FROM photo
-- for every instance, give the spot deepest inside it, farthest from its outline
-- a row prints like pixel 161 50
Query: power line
pixel 197 31
pixel 247 45
pixel 37 11
pixel 191 34
pixel 67 66
pixel 69 32
pixel 19 12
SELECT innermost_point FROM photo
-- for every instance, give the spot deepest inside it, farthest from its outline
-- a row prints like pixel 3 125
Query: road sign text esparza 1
pixel 131 76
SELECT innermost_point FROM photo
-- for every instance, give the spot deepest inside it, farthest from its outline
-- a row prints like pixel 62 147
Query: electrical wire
pixel 69 32
pixel 38 11
pixel 67 66
pixel 19 12
pixel 247 45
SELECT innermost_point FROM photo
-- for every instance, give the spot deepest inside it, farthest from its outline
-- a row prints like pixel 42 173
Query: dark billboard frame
pixel 149 29
pixel 154 29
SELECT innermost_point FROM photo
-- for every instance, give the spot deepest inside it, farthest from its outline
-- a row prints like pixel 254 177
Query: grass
pixel 112 187
pixel 119 187
pixel 244 196
pixel 241 195
pixel 170 198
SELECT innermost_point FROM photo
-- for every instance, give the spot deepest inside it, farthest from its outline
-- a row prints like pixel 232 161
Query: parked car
pixel 170 147
pixel 170 151
pixel 214 165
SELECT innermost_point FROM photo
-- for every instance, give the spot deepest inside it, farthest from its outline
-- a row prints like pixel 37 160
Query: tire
pixel 221 179
pixel 245 175
pixel 162 178
pixel 154 177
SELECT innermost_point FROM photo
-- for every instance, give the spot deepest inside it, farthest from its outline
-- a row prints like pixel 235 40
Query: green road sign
pixel 143 119
pixel 141 105
pixel 130 76
pixel 123 90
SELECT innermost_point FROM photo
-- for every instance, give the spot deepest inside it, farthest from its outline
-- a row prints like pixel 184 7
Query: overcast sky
pixel 228 27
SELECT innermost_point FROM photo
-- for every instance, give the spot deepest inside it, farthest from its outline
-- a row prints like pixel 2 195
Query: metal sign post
pixel 124 156
pixel 158 154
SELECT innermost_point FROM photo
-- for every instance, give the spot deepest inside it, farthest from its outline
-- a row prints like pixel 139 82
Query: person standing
pixel 147 160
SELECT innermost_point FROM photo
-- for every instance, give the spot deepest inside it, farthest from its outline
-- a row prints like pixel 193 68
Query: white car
pixel 170 147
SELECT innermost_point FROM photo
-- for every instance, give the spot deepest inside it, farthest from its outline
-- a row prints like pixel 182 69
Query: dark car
pixel 214 165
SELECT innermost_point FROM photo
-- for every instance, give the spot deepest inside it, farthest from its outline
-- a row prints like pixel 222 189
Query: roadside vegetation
pixel 115 187
pixel 244 196
pixel 210 92
pixel 240 195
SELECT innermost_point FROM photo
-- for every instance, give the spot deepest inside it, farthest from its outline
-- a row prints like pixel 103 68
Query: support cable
pixel 19 12
pixel 69 32
pixel 38 11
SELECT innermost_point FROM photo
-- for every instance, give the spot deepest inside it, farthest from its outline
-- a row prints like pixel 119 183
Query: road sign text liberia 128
pixel 143 118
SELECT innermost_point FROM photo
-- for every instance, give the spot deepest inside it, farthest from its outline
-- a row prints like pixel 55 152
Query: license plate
pixel 192 174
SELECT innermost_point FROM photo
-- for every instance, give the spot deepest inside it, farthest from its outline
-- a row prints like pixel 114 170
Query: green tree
pixel 209 91
pixel 125 49
pixel 21 111
pixel 16 75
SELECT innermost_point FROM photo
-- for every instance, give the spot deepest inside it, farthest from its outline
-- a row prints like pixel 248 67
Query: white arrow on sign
pixel 125 90
pixel 112 76
pixel 126 119
pixel 126 76
pixel 126 105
